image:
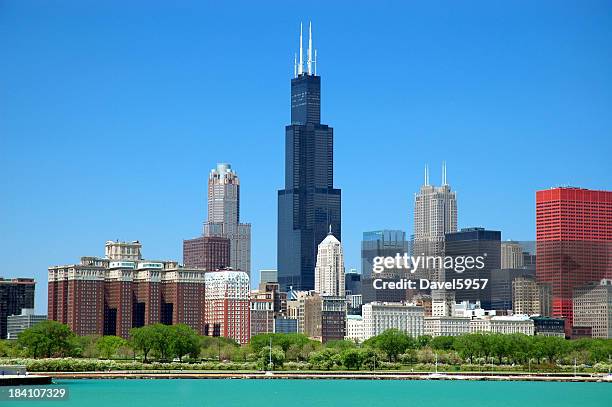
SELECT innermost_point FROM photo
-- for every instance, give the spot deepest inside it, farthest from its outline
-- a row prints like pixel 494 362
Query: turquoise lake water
pixel 346 393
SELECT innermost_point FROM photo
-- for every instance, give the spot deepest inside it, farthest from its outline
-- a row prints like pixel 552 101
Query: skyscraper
pixel 329 272
pixel 573 242
pixel 474 242
pixel 435 214
pixel 309 203
pixel 224 215
pixel 15 295
pixel 382 243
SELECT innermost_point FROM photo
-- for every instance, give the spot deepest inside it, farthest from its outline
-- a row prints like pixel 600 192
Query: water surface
pixel 325 393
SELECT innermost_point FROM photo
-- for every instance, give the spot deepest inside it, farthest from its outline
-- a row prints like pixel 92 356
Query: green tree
pixel 423 341
pixel 323 359
pixel 466 346
pixel 351 358
pixel 162 336
pixel 392 341
pixel 108 345
pixel 501 346
pixel 341 345
pixel 442 343
pixel 184 341
pixel 553 347
pixel 47 338
pixel 141 339
pixel 272 360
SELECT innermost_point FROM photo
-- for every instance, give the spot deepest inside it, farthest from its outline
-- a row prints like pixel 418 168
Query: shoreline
pixel 338 375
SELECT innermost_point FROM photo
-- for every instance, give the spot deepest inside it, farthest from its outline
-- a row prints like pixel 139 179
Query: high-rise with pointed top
pixel 309 203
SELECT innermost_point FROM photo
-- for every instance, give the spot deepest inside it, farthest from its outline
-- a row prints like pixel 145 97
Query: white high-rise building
pixel 435 214
pixel 224 216
pixel 329 272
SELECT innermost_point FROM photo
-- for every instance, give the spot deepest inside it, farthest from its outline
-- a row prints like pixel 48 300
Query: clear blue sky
pixel 113 113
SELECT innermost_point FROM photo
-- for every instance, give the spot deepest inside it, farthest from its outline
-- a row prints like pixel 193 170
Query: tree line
pixel 391 349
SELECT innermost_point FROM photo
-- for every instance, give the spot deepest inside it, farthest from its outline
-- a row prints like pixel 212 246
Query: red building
pixel 207 252
pixel 102 296
pixel 573 242
pixel 227 310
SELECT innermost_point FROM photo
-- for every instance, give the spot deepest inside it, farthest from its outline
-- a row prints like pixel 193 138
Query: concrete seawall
pixel 327 376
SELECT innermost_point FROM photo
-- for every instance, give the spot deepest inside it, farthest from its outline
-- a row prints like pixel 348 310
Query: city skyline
pixel 49 162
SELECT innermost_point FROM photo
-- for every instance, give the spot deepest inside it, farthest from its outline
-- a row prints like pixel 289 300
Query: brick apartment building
pixel 111 295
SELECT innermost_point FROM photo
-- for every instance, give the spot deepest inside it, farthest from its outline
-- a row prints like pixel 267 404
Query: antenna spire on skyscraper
pixel 301 64
pixel 426 174
pixel 309 63
pixel 444 173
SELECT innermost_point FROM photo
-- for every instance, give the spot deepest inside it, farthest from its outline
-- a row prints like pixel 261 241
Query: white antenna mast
pixel 426 174
pixel 301 64
pixel 309 63
pixel 444 173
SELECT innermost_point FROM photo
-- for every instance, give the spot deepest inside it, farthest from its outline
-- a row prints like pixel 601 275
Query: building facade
pixel 268 276
pixel 501 285
pixel 573 238
pixel 352 282
pixel 474 242
pixel 285 325
pixel 15 295
pixel 378 317
pixel 519 324
pixel 227 308
pixel 382 243
pixel 207 252
pixel 309 204
pixel 511 255
pixel 529 297
pixel 333 318
pixel 354 328
pixel 593 308
pixel 435 215
pixel 262 313
pixel 446 326
pixel 329 272
pixel 110 296
pixel 16 324
pixel 547 326
pixel 224 215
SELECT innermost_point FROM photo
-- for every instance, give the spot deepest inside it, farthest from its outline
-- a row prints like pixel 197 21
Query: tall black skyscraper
pixel 309 204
